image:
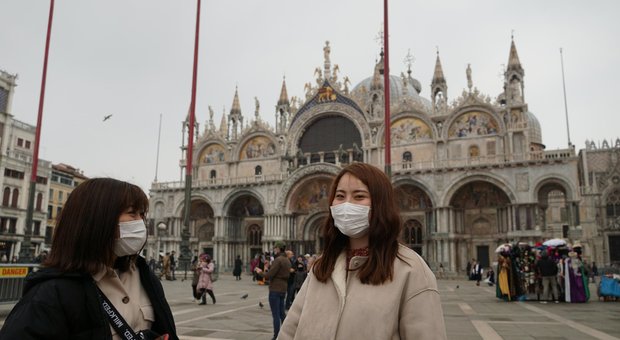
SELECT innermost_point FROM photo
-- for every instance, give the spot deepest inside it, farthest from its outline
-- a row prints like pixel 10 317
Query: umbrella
pixel 554 242
pixel 504 247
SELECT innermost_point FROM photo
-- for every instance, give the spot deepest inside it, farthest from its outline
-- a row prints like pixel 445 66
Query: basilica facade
pixel 470 172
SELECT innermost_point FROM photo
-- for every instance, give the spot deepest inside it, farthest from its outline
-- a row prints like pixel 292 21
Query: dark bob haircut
pixel 383 235
pixel 88 224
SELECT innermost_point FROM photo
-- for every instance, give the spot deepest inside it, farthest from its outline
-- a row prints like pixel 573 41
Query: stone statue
pixel 210 112
pixel 346 83
pixel 326 51
pixel 257 104
pixel 335 72
pixel 469 81
pixel 308 89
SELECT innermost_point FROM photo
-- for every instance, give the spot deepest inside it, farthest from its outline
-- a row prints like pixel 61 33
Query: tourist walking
pixel 165 267
pixel 290 284
pixel 253 265
pixel 278 281
pixel 196 269
pixel 205 281
pixel 237 268
pixel 173 264
pixel 366 285
pixel 94 266
pixel 301 272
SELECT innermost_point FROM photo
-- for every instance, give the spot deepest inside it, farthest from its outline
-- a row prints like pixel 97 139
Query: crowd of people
pixel 554 272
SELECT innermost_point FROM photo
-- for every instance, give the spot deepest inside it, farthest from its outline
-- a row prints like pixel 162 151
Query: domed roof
pixel 411 90
pixel 534 128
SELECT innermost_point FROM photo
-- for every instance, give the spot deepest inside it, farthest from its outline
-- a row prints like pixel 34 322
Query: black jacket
pixel 59 305
pixel 547 267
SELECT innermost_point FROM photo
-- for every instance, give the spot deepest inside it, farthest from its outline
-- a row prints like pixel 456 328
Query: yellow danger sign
pixel 13 272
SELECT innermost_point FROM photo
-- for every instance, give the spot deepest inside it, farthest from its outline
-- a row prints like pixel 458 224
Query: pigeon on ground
pixel 457 286
pixel 245 296
pixel 260 304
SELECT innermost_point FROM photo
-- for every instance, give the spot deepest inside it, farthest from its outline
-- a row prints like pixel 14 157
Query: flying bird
pixel 245 296
pixel 260 304
pixel 107 117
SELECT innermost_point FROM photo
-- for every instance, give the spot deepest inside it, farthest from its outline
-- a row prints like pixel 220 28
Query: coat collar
pixel 339 275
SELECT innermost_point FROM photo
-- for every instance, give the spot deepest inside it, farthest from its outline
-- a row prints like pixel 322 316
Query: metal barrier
pixel 12 278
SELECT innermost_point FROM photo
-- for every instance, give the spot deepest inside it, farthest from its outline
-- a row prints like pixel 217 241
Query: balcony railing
pixel 488 160
pixel 396 167
pixel 214 182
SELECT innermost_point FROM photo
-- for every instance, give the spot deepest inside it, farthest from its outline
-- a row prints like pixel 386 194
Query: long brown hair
pixel 88 224
pixel 383 235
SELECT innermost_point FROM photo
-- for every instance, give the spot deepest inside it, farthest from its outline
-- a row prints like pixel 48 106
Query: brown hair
pixel 383 235
pixel 88 224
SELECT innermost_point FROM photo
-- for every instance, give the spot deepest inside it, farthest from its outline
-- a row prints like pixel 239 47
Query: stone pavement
pixel 471 312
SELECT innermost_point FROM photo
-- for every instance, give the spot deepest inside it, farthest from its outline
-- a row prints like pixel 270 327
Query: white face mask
pixel 351 219
pixel 132 238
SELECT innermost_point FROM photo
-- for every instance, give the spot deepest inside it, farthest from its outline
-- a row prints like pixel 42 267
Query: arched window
pixel 39 201
pixel 613 204
pixel 212 174
pixel 258 170
pixel 407 157
pixel 255 235
pixel 15 198
pixel 412 234
pixel 6 196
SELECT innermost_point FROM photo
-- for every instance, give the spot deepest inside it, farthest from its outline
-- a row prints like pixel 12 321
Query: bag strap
pixel 116 319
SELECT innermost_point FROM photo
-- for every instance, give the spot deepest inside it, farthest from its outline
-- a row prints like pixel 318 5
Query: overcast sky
pixel 133 59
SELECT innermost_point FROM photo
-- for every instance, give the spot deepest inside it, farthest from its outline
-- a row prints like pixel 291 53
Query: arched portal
pixel 243 228
pixel 308 203
pixel 477 205
pixel 202 226
pixel 481 217
pixel 416 210
pixel 554 212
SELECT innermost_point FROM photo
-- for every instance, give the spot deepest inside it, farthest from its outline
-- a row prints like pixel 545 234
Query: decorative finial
pixel 437 48
pixel 379 38
pixel 512 34
pixel 409 59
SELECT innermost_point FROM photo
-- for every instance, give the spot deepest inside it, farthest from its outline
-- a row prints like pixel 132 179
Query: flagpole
pixel 386 86
pixel 25 252
pixel 186 254
pixel 157 158
pixel 565 103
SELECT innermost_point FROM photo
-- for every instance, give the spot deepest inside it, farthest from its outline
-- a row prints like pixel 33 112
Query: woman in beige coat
pixel 365 285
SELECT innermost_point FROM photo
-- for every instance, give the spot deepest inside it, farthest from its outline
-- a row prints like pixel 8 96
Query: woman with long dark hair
pixel 93 284
pixel 366 285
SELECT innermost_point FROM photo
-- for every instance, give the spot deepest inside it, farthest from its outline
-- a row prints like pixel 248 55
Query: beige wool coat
pixel 408 307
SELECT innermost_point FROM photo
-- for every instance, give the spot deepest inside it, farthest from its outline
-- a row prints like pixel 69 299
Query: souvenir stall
pixel 525 258
pixel 508 278
pixel 518 278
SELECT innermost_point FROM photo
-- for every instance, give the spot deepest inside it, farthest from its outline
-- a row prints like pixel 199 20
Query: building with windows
pixel 64 179
pixel 470 173
pixel 16 152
